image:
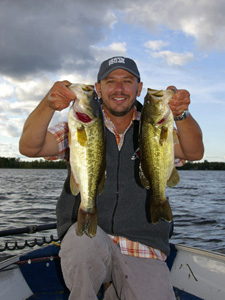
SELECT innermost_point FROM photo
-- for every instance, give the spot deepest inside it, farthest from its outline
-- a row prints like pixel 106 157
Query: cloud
pixel 40 36
pixel 104 52
pixel 11 127
pixel 8 150
pixel 170 57
pixel 19 91
pixel 50 36
pixel 32 90
pixel 13 115
pixel 6 90
pixel 173 58
pixel 203 19
pixel 156 45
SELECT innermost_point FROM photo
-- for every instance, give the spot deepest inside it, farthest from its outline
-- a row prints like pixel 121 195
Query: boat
pixel 196 274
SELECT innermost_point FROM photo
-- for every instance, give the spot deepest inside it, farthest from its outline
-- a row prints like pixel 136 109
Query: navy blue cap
pixel 117 62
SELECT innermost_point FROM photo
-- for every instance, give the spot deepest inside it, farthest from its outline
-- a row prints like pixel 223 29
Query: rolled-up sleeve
pixel 60 132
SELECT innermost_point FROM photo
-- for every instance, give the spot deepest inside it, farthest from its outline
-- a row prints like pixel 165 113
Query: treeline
pixel 220 166
pixel 16 163
pixel 6 162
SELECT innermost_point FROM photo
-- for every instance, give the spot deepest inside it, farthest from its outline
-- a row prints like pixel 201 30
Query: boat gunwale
pixel 204 252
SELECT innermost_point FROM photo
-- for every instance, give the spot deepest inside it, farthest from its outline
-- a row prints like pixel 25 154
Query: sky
pixel 174 42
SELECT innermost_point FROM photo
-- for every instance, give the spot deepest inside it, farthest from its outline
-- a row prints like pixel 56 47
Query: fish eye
pixel 87 88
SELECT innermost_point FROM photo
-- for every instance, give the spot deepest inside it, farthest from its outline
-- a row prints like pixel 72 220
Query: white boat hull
pixel 195 274
pixel 200 273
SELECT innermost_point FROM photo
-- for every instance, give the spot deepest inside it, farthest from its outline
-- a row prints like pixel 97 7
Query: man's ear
pixel 98 89
pixel 140 85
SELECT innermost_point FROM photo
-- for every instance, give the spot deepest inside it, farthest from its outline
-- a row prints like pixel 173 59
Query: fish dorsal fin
pixel 81 136
pixel 102 183
pixel 144 181
pixel 174 178
pixel 74 186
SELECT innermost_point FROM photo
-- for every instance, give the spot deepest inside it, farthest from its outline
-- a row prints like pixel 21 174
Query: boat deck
pixel 180 295
pixel 41 270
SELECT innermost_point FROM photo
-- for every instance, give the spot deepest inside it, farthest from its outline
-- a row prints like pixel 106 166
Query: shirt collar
pixel 109 124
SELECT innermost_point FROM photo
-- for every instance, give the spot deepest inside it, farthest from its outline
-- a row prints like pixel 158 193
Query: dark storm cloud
pixel 47 36
pixel 50 35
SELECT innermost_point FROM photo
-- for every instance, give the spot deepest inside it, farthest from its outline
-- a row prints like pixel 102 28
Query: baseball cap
pixel 117 62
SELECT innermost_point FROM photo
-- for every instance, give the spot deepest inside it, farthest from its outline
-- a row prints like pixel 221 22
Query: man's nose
pixel 119 86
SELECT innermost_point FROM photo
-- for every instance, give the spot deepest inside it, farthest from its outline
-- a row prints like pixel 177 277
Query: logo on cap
pixel 117 60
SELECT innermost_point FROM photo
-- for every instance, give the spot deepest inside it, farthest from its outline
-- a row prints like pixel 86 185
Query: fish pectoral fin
pixel 74 186
pixel 144 181
pixel 175 137
pixel 163 135
pixel 69 138
pixel 102 183
pixel 81 136
pixel 87 222
pixel 161 210
pixel 174 178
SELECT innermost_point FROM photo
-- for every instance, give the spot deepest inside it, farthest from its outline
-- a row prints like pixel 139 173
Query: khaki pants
pixel 89 262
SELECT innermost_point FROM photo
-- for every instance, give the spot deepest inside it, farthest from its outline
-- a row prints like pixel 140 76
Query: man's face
pixel 118 92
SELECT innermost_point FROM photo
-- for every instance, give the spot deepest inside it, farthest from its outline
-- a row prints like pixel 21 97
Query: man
pixel 128 249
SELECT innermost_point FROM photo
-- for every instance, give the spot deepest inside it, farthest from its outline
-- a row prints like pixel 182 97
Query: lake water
pixel 29 196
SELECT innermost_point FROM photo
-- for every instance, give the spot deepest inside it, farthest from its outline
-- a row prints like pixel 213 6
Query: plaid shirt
pixel 120 137
pixel 60 131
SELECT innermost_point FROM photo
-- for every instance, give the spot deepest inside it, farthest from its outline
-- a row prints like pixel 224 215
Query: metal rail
pixel 15 245
pixel 27 229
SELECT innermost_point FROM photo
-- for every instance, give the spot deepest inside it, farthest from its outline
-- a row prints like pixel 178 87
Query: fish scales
pixel 157 152
pixel 87 159
pixel 87 155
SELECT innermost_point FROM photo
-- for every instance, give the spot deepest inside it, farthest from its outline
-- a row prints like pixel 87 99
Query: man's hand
pixel 180 101
pixel 190 145
pixel 59 96
pixel 35 140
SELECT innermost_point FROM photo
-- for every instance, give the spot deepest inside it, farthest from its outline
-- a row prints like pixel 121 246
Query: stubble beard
pixel 119 113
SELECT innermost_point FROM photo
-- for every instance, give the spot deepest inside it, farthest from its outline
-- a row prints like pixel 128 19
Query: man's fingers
pixel 173 88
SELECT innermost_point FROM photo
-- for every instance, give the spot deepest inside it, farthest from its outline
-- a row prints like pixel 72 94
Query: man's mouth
pixel 119 98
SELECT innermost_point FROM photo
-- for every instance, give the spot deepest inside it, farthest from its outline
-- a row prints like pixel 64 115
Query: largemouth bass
pixel 156 139
pixel 87 154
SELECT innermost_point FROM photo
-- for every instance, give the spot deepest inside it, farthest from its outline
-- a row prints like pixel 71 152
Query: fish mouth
pixel 164 118
pixel 82 114
pixel 81 88
pixel 83 117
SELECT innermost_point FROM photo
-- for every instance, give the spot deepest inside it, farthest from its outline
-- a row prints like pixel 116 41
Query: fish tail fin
pixel 161 211
pixel 87 222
